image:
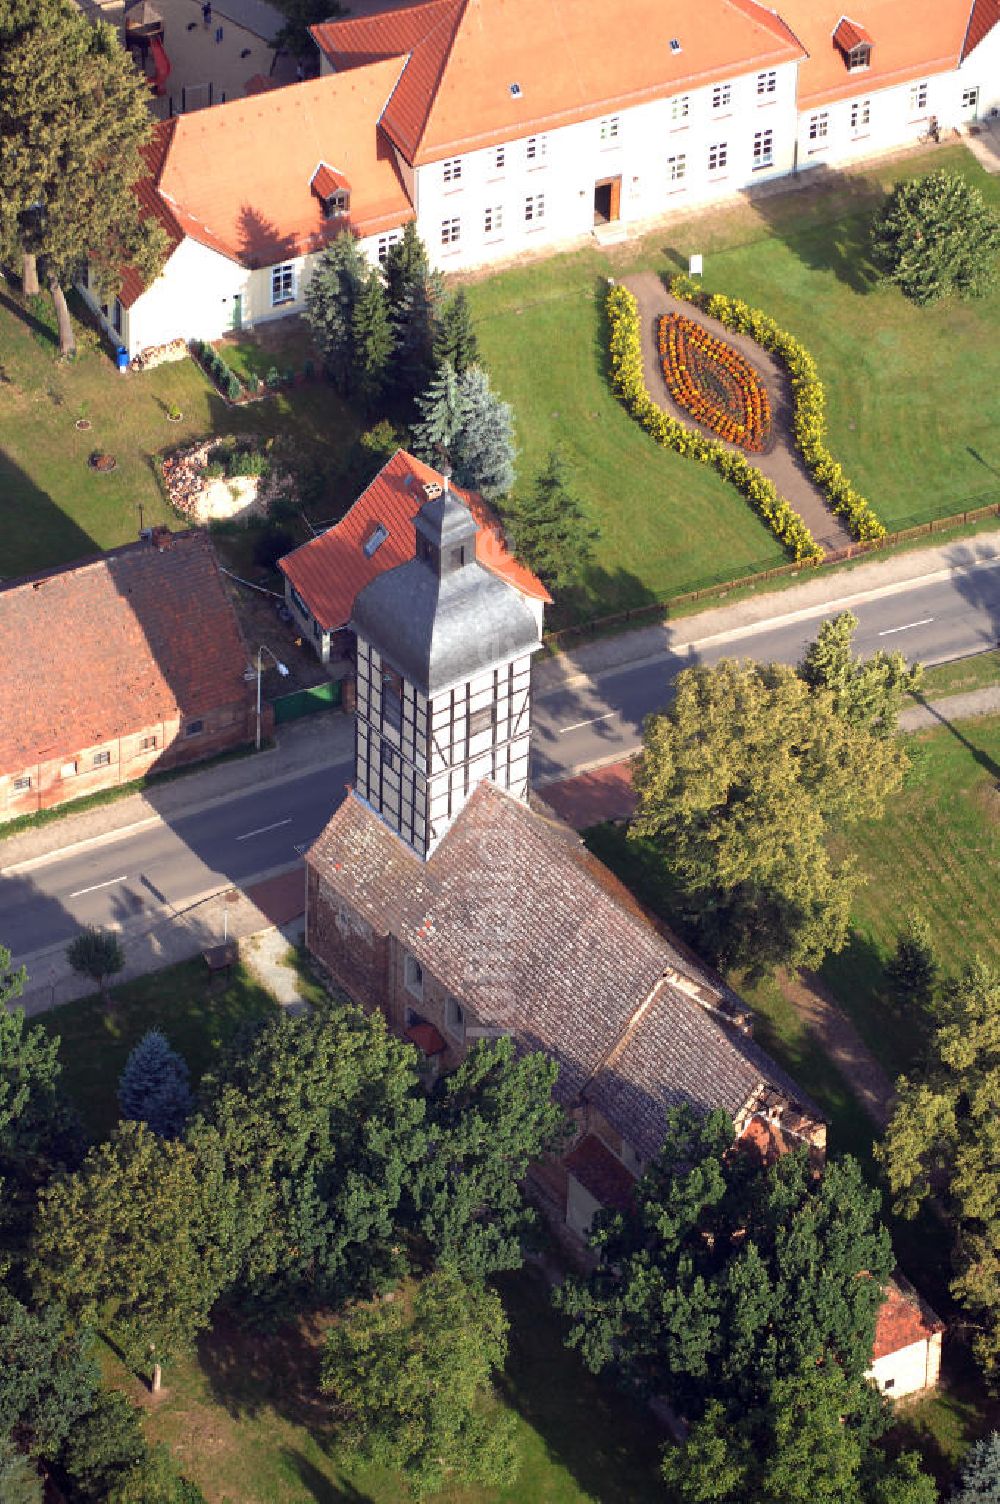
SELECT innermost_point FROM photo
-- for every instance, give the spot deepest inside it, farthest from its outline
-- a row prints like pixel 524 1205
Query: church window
pixel 413 975
pixel 457 558
pixel 392 698
pixel 454 1018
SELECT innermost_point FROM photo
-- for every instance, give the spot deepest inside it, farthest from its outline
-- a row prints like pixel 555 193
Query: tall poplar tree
pixel 73 120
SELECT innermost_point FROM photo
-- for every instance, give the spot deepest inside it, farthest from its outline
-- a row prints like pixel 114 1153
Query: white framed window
pixel 767 83
pixel 718 156
pixel 763 150
pixel 680 108
pixel 21 785
pixel 336 203
pixel 68 770
pixel 452 170
pixel 454 1018
pixel 451 231
pixel 534 207
pixel 861 114
pixel 413 975
pixel 194 728
pixel 500 159
pixel 102 759
pixel 722 96
pixel 536 149
pixel 677 167
pixel 859 57
pixel 384 242
pixel 918 96
pixel 493 219
pixel 610 127
pixel 282 284
pixel 819 126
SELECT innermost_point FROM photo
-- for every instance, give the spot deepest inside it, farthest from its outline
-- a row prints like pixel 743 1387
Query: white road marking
pixel 924 622
pixel 261 830
pixel 609 715
pixel 97 886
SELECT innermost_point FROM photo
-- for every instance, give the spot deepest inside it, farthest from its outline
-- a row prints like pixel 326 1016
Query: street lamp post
pixel 282 670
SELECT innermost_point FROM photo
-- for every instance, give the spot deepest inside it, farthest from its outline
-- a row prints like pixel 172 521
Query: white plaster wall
pixel 912 1368
pixel 981 70
pixel 894 120
pixel 580 1206
pixel 577 157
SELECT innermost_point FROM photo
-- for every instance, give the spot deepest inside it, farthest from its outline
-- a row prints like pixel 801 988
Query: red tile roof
pixel 601 1173
pixel 985 15
pixel 904 1318
pixel 103 648
pixel 153 206
pixel 329 571
pixel 913 40
pixel 849 34
pixel 326 180
pixel 571 63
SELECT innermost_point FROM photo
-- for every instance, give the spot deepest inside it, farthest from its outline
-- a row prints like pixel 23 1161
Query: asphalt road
pixel 585 722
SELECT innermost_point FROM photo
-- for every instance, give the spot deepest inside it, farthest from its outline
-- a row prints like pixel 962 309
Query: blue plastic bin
pixel 121 358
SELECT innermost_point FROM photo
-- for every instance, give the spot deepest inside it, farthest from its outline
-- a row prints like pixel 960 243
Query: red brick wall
pixel 347 945
pixel 226 727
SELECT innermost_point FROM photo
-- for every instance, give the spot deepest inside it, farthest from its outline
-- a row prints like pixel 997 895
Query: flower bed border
pixel 625 348
pixel 808 397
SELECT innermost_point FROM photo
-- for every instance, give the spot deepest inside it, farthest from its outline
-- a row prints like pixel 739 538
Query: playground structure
pixel 144 36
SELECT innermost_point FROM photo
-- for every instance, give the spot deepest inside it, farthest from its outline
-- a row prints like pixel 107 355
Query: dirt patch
pixel 841 1041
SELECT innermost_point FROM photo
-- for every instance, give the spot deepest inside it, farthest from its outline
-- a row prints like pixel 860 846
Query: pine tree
pixel 979 1480
pixel 415 325
pixel 484 450
pixel 372 339
pixel 73 119
pixel 154 1087
pixel 332 295
pixel 406 265
pixel 937 235
pixel 456 339
pixel 913 972
pixel 442 410
pixel 550 528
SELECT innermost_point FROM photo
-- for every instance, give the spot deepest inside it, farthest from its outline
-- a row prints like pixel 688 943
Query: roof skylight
pixel 515 91
pixel 375 540
pixel 675 45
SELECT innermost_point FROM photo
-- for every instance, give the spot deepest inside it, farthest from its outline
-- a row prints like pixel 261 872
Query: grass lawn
pixel 978 671
pixel 910 417
pixel 197 1015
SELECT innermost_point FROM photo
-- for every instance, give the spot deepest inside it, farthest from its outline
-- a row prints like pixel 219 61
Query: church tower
pixel 444 679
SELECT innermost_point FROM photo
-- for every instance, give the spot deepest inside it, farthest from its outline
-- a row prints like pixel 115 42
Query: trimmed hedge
pixel 215 367
pixel 629 383
pixel 809 419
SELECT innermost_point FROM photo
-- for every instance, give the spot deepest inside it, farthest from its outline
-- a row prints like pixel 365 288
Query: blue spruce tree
pixel 979 1482
pixel 155 1086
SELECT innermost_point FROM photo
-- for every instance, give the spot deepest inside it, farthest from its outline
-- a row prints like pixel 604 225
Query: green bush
pixel 808 395
pixel 234 389
pixel 247 462
pixel 630 384
pixel 273 379
pixel 214 470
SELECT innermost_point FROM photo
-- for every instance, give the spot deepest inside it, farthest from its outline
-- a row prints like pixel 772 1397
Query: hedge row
pixel 809 420
pixel 627 374
pixel 223 375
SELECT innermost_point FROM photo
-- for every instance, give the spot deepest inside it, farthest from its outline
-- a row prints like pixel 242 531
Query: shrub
pixel 214 470
pixel 273 378
pixel 247 462
pixel 937 235
pixel 809 398
pixel 630 384
pixel 234 388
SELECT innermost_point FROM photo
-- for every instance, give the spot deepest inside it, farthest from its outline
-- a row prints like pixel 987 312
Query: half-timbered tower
pixel 444 680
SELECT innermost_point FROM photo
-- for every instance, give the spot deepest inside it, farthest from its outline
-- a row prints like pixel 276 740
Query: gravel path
pixel 782 464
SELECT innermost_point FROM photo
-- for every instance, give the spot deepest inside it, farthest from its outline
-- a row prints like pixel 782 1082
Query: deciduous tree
pixel 141 1238
pixel 730 1274
pixel 484 447
pixel 97 954
pixel 486 1122
pixel 945 1134
pixel 155 1086
pixel 937 235
pixel 738 784
pixel 73 120
pixel 416 1389
pixel 48 1376
pixel 550 529
pixel 332 296
pixel 868 692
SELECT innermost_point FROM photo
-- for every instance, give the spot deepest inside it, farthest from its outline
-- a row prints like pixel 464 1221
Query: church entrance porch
pixel 607 200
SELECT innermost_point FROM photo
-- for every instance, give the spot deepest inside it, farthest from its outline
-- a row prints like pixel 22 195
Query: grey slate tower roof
pixel 442 618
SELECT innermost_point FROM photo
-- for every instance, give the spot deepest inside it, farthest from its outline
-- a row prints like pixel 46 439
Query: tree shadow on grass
pixel 250 1371
pixel 319 1487
pixel 38 328
pixel 822 240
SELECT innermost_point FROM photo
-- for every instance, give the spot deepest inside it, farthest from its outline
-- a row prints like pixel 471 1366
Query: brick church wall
pixel 347 945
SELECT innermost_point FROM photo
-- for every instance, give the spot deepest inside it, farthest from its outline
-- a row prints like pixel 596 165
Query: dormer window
pixel 336 203
pixel 855 43
pixel 332 189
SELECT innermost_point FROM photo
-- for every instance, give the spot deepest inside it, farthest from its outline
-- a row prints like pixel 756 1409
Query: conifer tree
pixel 550 529
pixel 456 339
pixel 73 120
pixel 332 295
pixel 442 409
pixel 155 1086
pixel 484 450
pixel 406 265
pixel 913 972
pixel 979 1480
pixel 415 324
pixel 372 339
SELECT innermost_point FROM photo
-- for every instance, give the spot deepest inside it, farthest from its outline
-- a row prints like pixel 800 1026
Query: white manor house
pixel 506 126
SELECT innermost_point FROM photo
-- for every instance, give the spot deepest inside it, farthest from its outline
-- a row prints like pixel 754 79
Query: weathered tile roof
pixel 904 1318
pixel 105 647
pixel 329 571
pixel 509 915
pixel 601 1173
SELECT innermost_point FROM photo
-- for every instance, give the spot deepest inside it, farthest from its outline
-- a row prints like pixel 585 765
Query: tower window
pixel 454 1018
pixel 457 558
pixel 392 699
pixel 482 720
pixel 413 975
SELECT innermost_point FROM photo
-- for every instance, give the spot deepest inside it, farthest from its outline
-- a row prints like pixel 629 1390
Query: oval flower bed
pixel 713 382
